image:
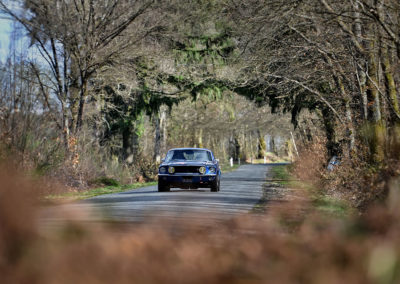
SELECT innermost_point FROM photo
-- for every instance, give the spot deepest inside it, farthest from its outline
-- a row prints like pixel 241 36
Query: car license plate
pixel 187 180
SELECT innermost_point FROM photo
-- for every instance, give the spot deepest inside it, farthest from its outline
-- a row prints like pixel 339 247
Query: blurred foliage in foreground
pixel 315 248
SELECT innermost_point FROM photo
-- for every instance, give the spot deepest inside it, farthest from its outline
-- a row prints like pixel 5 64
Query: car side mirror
pixel 217 160
pixel 162 160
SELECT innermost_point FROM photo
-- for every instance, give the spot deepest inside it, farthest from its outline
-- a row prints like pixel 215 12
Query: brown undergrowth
pixel 311 162
pixel 79 168
pixel 250 249
pixel 355 180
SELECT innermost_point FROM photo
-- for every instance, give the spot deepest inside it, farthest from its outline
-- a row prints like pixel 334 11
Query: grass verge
pixel 83 194
pixel 281 173
pixel 270 161
pixel 272 190
pixel 331 206
pixel 319 200
pixel 226 168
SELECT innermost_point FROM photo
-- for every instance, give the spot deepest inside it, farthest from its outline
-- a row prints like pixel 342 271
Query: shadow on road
pixel 168 197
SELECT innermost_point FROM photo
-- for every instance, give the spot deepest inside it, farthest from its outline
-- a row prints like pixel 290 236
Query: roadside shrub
pixel 355 179
pixel 310 166
pixel 104 181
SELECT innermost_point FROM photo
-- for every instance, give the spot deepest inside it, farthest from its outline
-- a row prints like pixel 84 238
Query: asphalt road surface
pixel 240 191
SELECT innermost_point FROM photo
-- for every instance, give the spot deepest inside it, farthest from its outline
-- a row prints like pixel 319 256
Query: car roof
pixel 190 149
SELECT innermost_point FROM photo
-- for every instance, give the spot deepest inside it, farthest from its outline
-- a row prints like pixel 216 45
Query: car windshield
pixel 188 155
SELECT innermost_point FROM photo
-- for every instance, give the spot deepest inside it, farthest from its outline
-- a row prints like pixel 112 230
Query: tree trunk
pixel 350 128
pixel 251 146
pixel 81 105
pixel 130 143
pixel 362 76
pixel 234 146
pixel 157 140
pixel 350 131
pixel 223 150
pixel 200 137
pixel 377 144
pixel 160 143
pixel 375 111
pixel 245 144
pixel 65 125
pixel 330 132
pixel 390 83
pixel 261 146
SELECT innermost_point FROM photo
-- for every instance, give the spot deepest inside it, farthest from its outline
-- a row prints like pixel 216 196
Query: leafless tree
pixel 76 39
pixel 338 57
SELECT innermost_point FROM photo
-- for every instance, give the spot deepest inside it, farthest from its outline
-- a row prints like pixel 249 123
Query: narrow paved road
pixel 240 191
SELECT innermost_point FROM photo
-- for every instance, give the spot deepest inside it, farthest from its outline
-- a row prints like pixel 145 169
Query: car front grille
pixel 186 169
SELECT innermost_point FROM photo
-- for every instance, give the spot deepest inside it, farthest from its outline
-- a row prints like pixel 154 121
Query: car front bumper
pixel 187 180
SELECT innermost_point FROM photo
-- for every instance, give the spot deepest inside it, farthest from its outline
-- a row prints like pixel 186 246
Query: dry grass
pixel 250 249
pixel 80 169
pixel 310 165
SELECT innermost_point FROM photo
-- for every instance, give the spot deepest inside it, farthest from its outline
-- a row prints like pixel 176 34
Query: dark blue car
pixel 189 168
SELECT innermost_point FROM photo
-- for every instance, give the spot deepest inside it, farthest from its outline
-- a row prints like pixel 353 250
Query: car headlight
pixel 163 170
pixel 171 170
pixel 212 170
pixel 202 170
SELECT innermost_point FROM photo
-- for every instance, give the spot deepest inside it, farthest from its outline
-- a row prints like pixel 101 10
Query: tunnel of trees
pixel 106 87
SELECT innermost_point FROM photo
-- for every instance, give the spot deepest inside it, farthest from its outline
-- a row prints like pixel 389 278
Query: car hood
pixel 187 163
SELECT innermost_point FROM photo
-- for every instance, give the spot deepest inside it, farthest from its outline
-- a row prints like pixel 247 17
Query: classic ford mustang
pixel 189 168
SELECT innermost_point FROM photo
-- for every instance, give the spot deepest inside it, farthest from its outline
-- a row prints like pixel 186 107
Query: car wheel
pixel 215 186
pixel 163 187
